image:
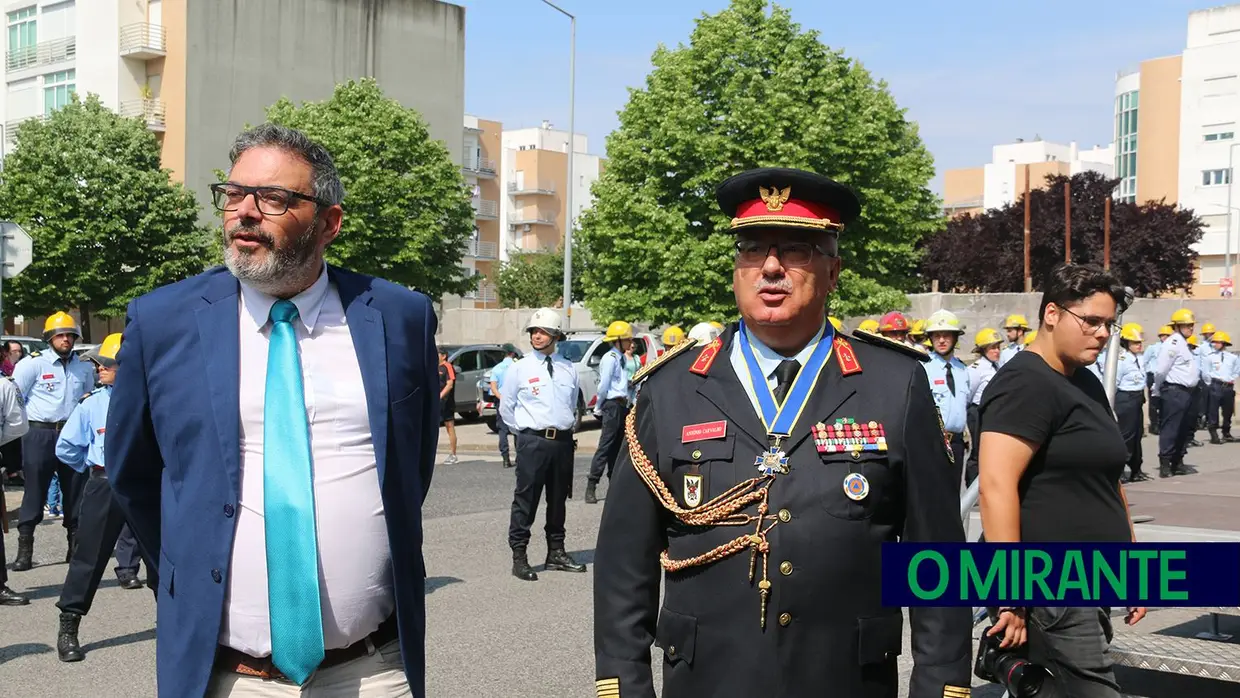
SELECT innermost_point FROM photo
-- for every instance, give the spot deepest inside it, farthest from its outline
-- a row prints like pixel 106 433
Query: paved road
pixel 488 634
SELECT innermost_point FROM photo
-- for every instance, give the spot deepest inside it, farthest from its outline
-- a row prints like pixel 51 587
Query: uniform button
pixel 697 455
pixel 216 577
pixel 785 619
pixel 228 510
pixel 671 651
pixel 785 568
pixel 785 515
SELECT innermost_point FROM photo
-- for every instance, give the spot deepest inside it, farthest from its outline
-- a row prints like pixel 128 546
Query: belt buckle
pixel 550 433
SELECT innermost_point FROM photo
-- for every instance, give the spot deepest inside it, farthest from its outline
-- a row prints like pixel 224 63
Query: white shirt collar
pixel 309 302
pixel 768 358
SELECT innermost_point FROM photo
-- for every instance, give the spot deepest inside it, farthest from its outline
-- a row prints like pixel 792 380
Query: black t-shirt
pixel 1070 491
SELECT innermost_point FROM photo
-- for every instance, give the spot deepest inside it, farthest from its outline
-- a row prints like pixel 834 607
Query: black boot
pixel 25 552
pixel 1227 436
pixel 1164 467
pixel 8 597
pixel 70 537
pixel 559 560
pixel 129 580
pixel 521 566
pixel 507 461
pixel 591 493
pixel 1214 439
pixel 1177 466
pixel 67 642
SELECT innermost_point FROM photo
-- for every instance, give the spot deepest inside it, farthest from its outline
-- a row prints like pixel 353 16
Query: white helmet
pixel 704 332
pixel 944 321
pixel 545 319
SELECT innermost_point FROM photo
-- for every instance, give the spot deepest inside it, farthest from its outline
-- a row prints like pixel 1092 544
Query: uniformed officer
pixel 917 332
pixel 1222 367
pixel 81 447
pixel 1149 361
pixel 497 380
pixel 1198 404
pixel 761 475
pixel 1017 328
pixel 1130 395
pixel 12 425
pixel 539 405
pixel 612 405
pixel 51 383
pixel 986 344
pixel 1176 375
pixel 949 381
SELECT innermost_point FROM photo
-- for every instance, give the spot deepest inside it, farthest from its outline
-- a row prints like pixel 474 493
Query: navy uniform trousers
pixel 1179 420
pixel 40 463
pixel 542 463
pixel 100 532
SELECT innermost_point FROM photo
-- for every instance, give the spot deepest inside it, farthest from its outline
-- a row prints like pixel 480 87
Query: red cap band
pixel 793 208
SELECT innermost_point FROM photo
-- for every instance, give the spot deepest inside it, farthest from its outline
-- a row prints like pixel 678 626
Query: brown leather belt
pixel 238 662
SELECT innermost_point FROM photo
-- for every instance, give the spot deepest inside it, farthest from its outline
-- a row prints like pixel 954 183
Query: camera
pixel 1021 678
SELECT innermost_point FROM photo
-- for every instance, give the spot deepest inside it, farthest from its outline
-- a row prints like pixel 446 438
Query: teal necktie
pixel 288 503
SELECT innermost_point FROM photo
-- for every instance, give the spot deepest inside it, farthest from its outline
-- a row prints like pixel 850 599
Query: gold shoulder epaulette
pixel 651 366
pixel 35 353
pixel 880 341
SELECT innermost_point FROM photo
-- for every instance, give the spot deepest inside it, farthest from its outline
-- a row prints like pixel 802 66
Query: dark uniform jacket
pixel 826 632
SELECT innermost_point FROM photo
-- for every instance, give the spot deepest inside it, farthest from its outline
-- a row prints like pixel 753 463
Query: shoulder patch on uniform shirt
pixel 706 359
pixel 880 341
pixel 653 366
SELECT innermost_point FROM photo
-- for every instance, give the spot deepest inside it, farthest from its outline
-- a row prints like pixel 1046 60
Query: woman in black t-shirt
pixel 1051 460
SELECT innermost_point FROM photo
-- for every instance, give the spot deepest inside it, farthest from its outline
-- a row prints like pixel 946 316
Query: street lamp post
pixel 568 196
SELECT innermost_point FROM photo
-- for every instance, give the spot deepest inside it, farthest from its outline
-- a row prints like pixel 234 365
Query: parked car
pixel 29 344
pixel 470 362
pixel 80 349
pixel 586 350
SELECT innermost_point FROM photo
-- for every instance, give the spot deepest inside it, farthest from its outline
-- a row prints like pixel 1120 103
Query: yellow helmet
pixel 1183 316
pixel 1208 328
pixel 870 325
pixel 1192 340
pixel 105 353
pixel 672 336
pixel 1221 336
pixel 1165 331
pixel 917 329
pixel 618 330
pixel 717 325
pixel 1016 322
pixel 1032 335
pixel 927 343
pixel 835 322
pixel 1132 332
pixel 986 336
pixel 60 323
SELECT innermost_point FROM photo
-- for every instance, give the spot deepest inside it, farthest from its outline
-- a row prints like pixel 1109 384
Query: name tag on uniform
pixel 534 380
pixel 48 376
pixel 101 430
pixel 940 381
pixel 704 431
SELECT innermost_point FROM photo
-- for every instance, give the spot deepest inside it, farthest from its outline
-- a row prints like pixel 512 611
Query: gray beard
pixel 283 269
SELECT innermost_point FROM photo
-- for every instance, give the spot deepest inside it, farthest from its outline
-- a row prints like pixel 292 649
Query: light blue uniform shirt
pixel 51 386
pixel 1149 358
pixel 1130 376
pixel 613 379
pixel 1223 366
pixel 980 373
pixel 1099 366
pixel 1204 352
pixel 80 444
pixel 1007 352
pixel 497 373
pixel 1177 364
pixel 534 398
pixel 768 360
pixel 952 407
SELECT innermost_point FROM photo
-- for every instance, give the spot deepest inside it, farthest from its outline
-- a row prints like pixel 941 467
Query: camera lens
pixel 1022 679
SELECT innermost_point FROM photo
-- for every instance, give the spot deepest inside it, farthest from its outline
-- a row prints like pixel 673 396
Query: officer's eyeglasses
pixel 1092 323
pixel 271 201
pixel 753 253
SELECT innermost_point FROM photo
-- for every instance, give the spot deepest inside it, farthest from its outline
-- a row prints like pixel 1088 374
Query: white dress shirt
pixel 355 567
pixel 768 360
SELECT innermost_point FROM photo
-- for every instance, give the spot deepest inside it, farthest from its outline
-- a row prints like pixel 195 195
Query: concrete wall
pixel 475 326
pixel 244 55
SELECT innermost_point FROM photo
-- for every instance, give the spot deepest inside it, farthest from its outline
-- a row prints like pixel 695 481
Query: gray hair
pixel 327 186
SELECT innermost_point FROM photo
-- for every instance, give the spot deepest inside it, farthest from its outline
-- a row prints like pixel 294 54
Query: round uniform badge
pixel 856 487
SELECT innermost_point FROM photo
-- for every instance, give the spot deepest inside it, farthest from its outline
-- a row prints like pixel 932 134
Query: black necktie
pixel 785 373
pixel 951 380
pixel 550 370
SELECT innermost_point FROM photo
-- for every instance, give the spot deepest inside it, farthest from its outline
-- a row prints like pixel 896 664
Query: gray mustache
pixel 264 237
pixel 781 284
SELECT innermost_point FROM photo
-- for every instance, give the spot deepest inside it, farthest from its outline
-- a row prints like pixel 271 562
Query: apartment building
pixel 1175 125
pixel 1002 181
pixel 478 163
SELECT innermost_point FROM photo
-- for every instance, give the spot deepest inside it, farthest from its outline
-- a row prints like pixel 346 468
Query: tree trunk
pixel 84 314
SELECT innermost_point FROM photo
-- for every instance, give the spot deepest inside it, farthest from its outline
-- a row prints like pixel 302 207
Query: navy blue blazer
pixel 173 450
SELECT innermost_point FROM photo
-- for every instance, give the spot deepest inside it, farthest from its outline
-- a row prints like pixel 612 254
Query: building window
pixel 1211 178
pixel 1220 136
pixel 1126 145
pixel 23 37
pixel 57 88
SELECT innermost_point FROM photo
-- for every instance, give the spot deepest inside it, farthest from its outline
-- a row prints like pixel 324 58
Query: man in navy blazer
pixel 208 447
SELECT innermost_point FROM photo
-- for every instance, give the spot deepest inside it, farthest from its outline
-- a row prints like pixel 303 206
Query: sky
pixel 972 74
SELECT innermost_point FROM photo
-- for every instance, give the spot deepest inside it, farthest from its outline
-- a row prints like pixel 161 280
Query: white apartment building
pixel 1002 180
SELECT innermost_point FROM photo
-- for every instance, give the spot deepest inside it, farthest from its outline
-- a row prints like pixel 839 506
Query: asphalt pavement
pixel 489 634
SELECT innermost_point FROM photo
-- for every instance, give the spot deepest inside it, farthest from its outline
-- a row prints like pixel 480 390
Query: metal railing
pixel 537 188
pixel 153 112
pixel 482 249
pixel 485 292
pixel 143 38
pixel 484 208
pixel 41 53
pixel 10 126
pixel 531 218
pixel 477 165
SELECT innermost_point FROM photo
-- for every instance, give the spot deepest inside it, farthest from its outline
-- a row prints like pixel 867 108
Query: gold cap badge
pixel 775 197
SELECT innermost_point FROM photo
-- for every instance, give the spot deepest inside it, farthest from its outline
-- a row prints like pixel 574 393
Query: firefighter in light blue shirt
pixel 1148 362
pixel 1222 368
pixel 949 380
pixel 1017 327
pixel 1176 376
pixel 80 445
pixel 1129 396
pixel 987 345
pixel 611 406
pixel 496 383
pixel 50 382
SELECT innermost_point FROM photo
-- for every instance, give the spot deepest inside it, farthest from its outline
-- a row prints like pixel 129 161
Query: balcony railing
pixel 152 112
pixel 10 126
pixel 515 189
pixel 488 210
pixel 481 249
pixel 485 292
pixel 532 218
pixel 483 167
pixel 42 53
pixel 143 40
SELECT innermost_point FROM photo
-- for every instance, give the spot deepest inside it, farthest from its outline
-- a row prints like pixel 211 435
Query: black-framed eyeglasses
pixel 1093 323
pixel 271 201
pixel 790 253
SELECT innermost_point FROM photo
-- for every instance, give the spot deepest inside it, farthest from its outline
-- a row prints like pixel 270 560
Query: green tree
pixel 535 280
pixel 751 89
pixel 108 223
pixel 407 213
